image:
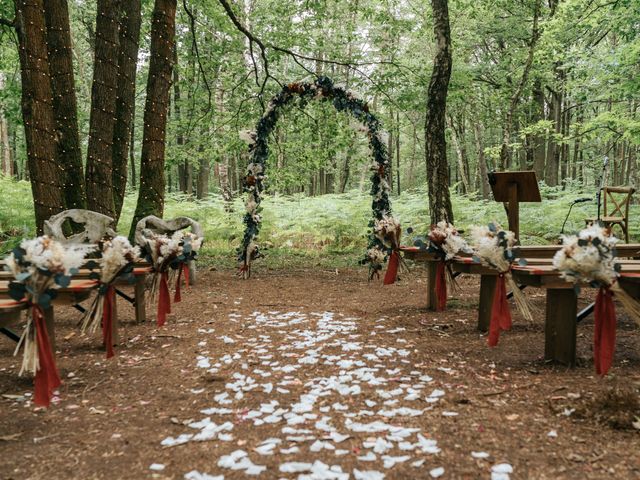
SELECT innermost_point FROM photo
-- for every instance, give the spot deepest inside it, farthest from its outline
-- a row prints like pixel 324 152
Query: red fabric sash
pixel 500 313
pixel 47 378
pixel 604 337
pixel 164 300
pixel 392 270
pixel 107 319
pixel 184 268
pixel 441 286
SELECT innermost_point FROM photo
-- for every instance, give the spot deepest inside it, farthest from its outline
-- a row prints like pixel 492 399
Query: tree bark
pixel 6 163
pixel 435 141
pixel 461 153
pixel 64 101
pixel 129 42
pixel 47 181
pixel 538 142
pixel 482 161
pixel 152 181
pixel 553 152
pixel 99 176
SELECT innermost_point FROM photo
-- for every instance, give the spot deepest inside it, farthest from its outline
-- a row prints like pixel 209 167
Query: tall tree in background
pixel 46 173
pixel 152 182
pixel 125 100
pixel 435 141
pixel 64 101
pixel 99 176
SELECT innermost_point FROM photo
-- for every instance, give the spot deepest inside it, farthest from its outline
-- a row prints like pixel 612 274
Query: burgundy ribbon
pixel 107 319
pixel 184 268
pixel 392 270
pixel 441 286
pixel 604 337
pixel 164 300
pixel 500 313
pixel 47 378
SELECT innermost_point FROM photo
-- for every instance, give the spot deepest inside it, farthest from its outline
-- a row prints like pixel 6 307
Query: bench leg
pixel 432 299
pixel 487 290
pixel 115 324
pixel 560 326
pixel 141 314
pixel 49 321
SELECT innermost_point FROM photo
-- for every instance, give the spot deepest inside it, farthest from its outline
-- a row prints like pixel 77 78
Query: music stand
pixel 513 188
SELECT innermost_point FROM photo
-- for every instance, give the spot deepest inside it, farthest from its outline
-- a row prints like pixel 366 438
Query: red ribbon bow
pixel 47 378
pixel 392 270
pixel 441 286
pixel 604 336
pixel 500 313
pixel 164 300
pixel 107 319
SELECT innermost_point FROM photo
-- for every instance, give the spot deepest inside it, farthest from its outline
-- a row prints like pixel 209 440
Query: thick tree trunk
pixel 99 176
pixel 204 173
pixel 47 181
pixel 435 141
pixel 64 101
pixel 152 182
pixel 125 100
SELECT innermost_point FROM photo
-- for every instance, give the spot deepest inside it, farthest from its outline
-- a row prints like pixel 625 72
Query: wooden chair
pixel 616 209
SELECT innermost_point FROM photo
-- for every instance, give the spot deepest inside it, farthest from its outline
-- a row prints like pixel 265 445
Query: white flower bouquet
pixel 169 256
pixel 117 260
pixel 496 248
pixel 40 267
pixel 446 241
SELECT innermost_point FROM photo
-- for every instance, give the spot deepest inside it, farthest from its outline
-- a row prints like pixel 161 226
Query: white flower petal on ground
pixel 295 467
pixel 367 475
pixel 479 454
pixel 390 461
pixel 369 457
pixel 196 475
pixel 172 442
pixel 156 467
pixel 436 472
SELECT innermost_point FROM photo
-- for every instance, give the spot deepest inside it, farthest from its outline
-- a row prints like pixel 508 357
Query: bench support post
pixel 139 304
pixel 487 290
pixel 432 299
pixel 560 326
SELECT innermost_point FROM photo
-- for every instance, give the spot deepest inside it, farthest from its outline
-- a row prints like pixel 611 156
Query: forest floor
pixel 317 373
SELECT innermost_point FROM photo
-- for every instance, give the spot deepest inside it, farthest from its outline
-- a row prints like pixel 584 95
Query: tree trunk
pixel 125 100
pixel 132 150
pixel 398 151
pixel 204 173
pixel 47 182
pixel 64 101
pixel 482 161
pixel 152 181
pixel 461 153
pixel 99 177
pixel 538 142
pixel 6 163
pixel 435 141
pixel 553 152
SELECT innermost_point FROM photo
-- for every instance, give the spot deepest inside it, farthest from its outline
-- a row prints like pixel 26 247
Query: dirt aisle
pixel 315 375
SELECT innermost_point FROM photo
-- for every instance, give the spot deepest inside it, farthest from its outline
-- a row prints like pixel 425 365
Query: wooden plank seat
pixel 76 292
pixel 140 272
pixel 562 305
pixel 464 264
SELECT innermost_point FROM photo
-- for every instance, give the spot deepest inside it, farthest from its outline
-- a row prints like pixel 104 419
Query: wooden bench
pixel 562 305
pixel 76 292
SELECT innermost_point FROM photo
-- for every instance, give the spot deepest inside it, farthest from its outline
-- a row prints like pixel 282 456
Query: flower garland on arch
pixel 590 258
pixel 382 226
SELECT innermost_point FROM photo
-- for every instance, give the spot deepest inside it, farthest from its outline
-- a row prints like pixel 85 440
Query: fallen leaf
pixel 8 438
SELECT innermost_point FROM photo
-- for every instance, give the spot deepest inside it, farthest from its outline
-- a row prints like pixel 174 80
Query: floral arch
pixel 384 229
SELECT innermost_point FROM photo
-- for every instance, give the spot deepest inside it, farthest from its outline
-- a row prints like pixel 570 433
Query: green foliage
pixel 330 230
